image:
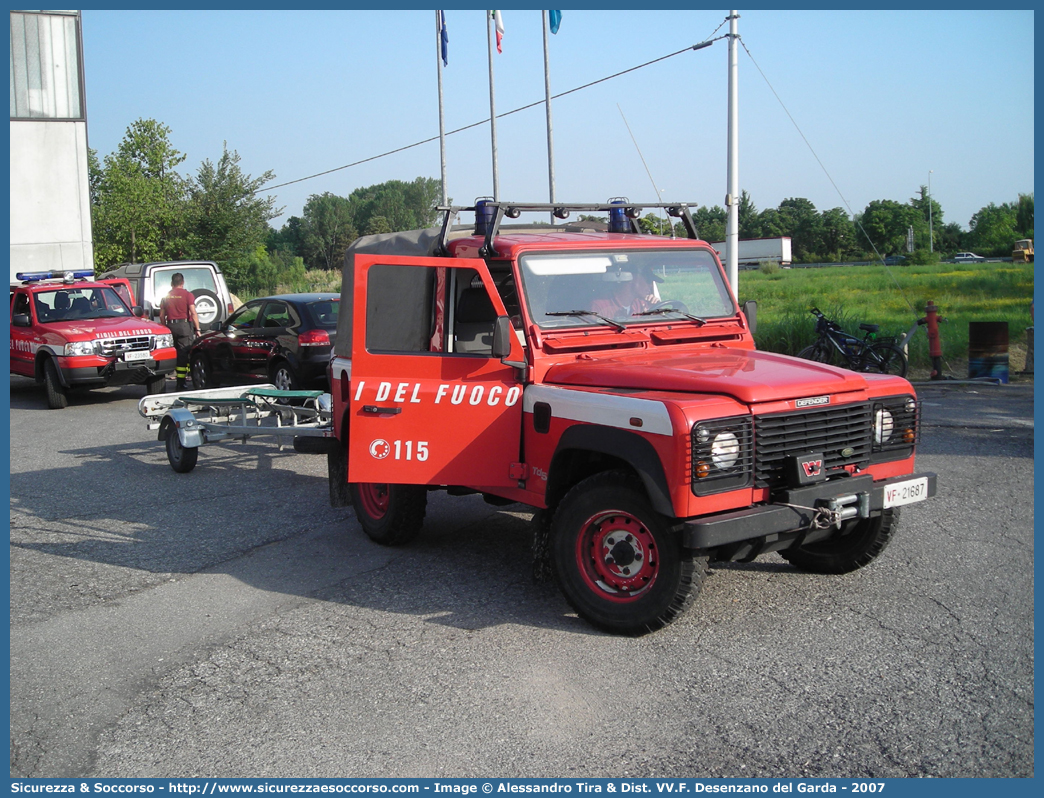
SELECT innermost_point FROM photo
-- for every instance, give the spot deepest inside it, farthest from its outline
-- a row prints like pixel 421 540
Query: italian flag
pixel 498 22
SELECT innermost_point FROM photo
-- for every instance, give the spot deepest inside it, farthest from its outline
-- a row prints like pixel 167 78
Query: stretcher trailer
pixel 190 419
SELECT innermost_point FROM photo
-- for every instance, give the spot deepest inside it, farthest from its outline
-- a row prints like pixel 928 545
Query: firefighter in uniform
pixel 178 313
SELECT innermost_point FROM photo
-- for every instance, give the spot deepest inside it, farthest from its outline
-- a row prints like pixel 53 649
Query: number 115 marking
pixel 408 446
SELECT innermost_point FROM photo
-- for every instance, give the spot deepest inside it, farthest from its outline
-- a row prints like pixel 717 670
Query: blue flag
pixel 443 36
pixel 554 19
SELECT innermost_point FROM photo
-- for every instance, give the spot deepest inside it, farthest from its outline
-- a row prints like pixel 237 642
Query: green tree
pixel 749 219
pixel 992 230
pixel 931 219
pixel 801 222
pixel 289 239
pixel 1024 216
pixel 327 228
pixel 886 223
pixel 226 218
pixel 710 222
pixel 138 198
pixel 838 234
pixel 377 225
pixel 405 206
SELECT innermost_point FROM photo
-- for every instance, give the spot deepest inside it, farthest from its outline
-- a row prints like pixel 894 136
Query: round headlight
pixel 725 450
pixel 883 426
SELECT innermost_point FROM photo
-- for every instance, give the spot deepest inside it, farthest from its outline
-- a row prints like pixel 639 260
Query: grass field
pixel 894 297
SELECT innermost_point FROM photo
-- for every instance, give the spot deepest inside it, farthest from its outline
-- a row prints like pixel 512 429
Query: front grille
pixel 830 431
pixel 113 346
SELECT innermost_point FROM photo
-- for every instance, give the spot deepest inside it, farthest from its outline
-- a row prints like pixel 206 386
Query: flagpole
pixel 439 22
pixel 547 101
pixel 492 107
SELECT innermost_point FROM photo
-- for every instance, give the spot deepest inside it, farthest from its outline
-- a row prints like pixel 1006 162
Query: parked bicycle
pixel 869 353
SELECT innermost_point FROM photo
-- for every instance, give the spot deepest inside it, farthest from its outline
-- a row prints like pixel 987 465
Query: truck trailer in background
pixel 753 251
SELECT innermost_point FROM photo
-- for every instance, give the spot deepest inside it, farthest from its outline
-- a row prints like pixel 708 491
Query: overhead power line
pixel 700 46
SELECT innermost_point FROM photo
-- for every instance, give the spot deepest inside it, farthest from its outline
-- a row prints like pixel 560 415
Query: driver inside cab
pixel 631 292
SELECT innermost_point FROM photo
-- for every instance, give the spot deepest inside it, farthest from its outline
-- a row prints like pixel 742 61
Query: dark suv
pixel 280 339
pixel 151 282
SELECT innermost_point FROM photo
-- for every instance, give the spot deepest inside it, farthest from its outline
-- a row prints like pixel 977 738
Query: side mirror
pixel 138 311
pixel 502 333
pixel 21 320
pixel 750 310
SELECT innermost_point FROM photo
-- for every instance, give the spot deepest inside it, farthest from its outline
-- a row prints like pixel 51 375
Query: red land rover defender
pixel 68 330
pixel 610 380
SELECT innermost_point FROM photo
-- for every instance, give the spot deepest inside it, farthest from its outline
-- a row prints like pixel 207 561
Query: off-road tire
pixel 57 397
pixel 391 515
pixel 181 458
pixel 861 542
pixel 619 563
pixel 155 384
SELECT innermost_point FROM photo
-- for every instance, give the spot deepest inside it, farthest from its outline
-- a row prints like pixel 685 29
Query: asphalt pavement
pixel 229 623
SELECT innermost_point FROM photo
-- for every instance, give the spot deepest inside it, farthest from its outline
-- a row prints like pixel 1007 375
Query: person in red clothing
pixel 633 292
pixel 178 313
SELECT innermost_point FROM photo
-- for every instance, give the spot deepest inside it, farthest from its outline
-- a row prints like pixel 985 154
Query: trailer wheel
pixel 389 514
pixel 181 458
pixel 860 542
pixel 57 398
pixel 618 562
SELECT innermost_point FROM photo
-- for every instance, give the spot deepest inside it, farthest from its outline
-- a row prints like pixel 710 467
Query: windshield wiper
pixel 659 311
pixel 619 327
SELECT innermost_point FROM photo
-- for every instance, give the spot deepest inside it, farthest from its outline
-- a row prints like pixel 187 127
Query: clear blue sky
pixel 882 96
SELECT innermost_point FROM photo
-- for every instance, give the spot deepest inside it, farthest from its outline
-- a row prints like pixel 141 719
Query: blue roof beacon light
pixel 65 276
pixel 618 221
pixel 484 211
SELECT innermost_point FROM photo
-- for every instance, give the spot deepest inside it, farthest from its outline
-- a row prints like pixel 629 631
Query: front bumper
pixel 117 372
pixel 777 525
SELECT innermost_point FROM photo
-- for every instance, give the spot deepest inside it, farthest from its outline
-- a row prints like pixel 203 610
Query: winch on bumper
pixel 801 515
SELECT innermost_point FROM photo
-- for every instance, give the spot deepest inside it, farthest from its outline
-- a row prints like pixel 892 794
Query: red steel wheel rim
pixel 617 556
pixel 374 498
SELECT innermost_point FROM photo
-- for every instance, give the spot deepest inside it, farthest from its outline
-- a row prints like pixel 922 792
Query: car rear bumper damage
pixel 802 515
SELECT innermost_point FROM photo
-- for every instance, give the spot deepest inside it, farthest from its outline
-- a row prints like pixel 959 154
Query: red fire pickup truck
pixel 68 330
pixel 610 380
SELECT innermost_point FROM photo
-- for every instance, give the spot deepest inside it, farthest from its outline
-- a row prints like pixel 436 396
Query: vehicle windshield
pixel 75 303
pixel 583 289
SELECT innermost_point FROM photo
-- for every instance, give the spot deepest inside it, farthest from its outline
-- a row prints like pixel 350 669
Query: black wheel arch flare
pixel 619 444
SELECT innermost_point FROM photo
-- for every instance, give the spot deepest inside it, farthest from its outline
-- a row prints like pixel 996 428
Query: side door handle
pixel 374 410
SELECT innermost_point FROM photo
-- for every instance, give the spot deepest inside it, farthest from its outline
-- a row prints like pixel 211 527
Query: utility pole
pixel 547 103
pixel 732 197
pixel 492 106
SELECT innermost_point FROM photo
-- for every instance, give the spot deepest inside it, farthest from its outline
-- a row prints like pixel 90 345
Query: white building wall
pixel 50 201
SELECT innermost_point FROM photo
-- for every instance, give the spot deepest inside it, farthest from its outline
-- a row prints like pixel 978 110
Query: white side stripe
pixel 610 410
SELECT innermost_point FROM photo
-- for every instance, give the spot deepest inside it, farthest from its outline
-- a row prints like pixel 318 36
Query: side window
pixel 244 318
pixel 21 304
pixel 276 315
pixel 473 315
pixel 400 308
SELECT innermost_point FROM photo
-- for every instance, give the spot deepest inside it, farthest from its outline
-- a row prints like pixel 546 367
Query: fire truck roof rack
pixel 622 212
